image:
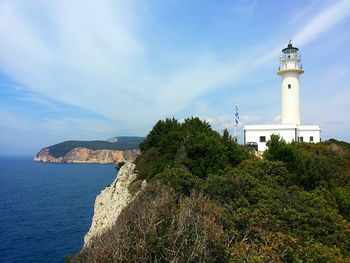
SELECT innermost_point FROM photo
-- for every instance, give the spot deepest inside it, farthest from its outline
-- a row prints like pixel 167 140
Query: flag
pixel 236 116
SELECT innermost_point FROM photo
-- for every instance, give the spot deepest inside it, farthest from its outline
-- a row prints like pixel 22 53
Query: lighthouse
pixel 290 69
pixel 290 128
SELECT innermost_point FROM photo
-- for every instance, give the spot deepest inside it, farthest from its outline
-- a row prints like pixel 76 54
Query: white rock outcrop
pixel 111 201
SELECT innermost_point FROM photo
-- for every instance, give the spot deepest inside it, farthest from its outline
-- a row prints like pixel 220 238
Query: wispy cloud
pixel 222 122
pixel 248 8
pixel 322 22
pixel 77 127
pixel 93 60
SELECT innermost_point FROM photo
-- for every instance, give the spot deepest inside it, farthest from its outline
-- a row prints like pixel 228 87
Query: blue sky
pixel 94 69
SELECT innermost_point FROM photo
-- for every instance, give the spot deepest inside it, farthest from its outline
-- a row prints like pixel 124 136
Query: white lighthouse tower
pixel 290 128
pixel 290 68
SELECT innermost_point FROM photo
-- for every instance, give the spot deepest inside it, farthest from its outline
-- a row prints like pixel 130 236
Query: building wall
pixel 289 133
pixel 306 134
pixel 254 136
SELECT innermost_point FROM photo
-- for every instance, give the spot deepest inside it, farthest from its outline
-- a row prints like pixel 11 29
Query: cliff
pixel 84 155
pixel 111 201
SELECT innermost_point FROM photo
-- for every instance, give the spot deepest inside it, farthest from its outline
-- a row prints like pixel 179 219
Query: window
pixel 311 138
pixel 262 138
pixel 301 139
pixel 289 86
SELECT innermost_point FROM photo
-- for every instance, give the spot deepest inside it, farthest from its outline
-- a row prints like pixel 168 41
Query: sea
pixel 46 208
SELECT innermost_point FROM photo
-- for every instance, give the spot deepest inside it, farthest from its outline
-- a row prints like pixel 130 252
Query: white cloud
pixel 277 119
pixel 93 60
pixel 222 122
pixel 78 127
pixel 88 55
pixel 248 9
pixel 322 22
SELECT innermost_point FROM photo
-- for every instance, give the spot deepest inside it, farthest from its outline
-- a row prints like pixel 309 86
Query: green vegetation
pixel 192 144
pixel 123 143
pixel 209 199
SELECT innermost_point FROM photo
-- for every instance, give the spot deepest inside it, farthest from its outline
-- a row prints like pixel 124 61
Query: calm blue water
pixel 46 209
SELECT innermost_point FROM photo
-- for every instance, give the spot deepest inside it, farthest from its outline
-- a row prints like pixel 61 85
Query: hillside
pixel 208 199
pixel 123 143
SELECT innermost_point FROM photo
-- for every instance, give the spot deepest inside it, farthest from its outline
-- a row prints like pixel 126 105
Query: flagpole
pixel 234 128
pixel 235 122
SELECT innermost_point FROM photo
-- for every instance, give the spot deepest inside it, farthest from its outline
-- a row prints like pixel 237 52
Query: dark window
pixel 311 138
pixel 289 86
pixel 301 139
pixel 262 138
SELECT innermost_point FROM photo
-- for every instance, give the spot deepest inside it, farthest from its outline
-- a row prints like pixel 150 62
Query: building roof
pixel 266 127
pixel 309 128
pixel 271 127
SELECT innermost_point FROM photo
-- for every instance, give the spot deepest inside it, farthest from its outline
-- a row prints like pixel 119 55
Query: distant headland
pixel 113 150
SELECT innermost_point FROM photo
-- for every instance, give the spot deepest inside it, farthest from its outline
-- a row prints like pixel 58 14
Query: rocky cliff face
pixel 111 201
pixel 84 155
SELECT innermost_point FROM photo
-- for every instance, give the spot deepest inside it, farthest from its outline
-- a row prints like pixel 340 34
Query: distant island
pixel 113 150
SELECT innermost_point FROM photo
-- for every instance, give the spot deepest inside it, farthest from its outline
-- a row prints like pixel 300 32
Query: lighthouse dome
pixel 290 58
pixel 290 49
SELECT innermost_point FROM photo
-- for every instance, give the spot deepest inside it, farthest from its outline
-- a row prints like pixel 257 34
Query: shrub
pixel 192 145
pixel 159 226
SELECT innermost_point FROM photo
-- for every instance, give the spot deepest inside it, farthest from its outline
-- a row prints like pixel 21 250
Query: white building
pixel 290 129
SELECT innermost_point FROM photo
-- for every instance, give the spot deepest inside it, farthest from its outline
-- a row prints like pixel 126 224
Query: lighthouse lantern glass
pixel 290 59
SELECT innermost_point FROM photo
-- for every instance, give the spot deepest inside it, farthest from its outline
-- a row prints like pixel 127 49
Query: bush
pixel 192 145
pixel 159 226
pixel 309 164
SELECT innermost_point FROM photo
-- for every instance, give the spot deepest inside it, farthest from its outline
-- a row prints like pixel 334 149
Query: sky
pixel 94 69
